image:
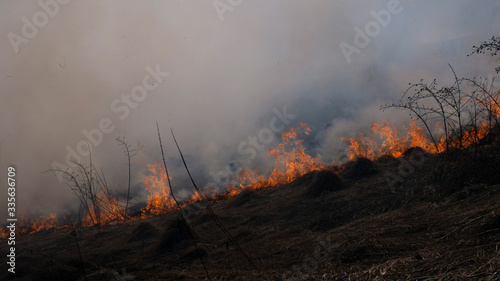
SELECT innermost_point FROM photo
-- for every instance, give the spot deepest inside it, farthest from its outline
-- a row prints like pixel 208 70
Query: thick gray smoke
pixel 223 74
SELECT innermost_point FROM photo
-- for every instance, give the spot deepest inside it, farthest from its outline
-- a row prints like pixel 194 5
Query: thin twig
pixel 213 215
pixel 179 206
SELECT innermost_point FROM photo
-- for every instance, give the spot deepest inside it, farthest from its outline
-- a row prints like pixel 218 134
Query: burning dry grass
pixel 30 226
pixel 387 139
pixel 291 162
pixel 110 210
pixel 294 165
pixel 160 200
pixel 372 235
pixel 440 227
pixel 391 141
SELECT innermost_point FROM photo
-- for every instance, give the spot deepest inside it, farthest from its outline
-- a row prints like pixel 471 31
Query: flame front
pixel 291 161
pixel 109 209
pixel 43 223
pixel 392 141
pixel 30 226
pixel 290 158
pixel 395 143
pixel 159 199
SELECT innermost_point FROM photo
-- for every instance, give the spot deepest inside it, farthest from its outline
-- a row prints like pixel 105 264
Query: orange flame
pixel 30 226
pixel 159 199
pixel 390 139
pixel 4 233
pixel 395 143
pixel 361 147
pixel 291 162
pixel 495 108
pixel 109 210
pixel 290 158
pixel 43 223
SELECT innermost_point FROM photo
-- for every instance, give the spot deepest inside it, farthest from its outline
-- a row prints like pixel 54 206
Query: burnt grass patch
pixel 360 168
pixel 367 231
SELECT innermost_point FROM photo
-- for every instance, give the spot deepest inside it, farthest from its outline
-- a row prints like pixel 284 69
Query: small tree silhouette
pixel 130 153
pixel 462 109
pixel 90 187
pixel 469 113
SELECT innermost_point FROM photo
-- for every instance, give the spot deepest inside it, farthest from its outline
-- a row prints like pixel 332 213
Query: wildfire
pixel 291 161
pixel 361 147
pixel 109 209
pixel 159 199
pixel 392 143
pixel 30 226
pixel 43 223
pixel 290 158
pixel 494 107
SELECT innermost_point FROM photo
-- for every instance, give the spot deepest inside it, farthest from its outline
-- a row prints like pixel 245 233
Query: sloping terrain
pixel 320 227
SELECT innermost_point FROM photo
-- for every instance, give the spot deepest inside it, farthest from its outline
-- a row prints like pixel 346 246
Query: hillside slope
pixel 319 227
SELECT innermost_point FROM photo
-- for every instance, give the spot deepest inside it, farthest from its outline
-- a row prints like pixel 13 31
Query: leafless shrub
pixel 466 114
pixel 130 153
pixel 90 187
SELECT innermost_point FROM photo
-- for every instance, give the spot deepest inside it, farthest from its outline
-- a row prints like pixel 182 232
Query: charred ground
pixel 441 222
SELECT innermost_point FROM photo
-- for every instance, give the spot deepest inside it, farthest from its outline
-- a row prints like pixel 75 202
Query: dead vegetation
pixel 361 168
pixel 323 182
pixel 362 231
pixel 176 232
pixel 441 222
pixel 143 231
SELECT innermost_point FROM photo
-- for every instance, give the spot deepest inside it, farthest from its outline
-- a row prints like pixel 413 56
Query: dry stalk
pixel 179 206
pixel 213 215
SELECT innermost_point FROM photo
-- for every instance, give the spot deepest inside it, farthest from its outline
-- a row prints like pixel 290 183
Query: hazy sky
pixel 225 68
